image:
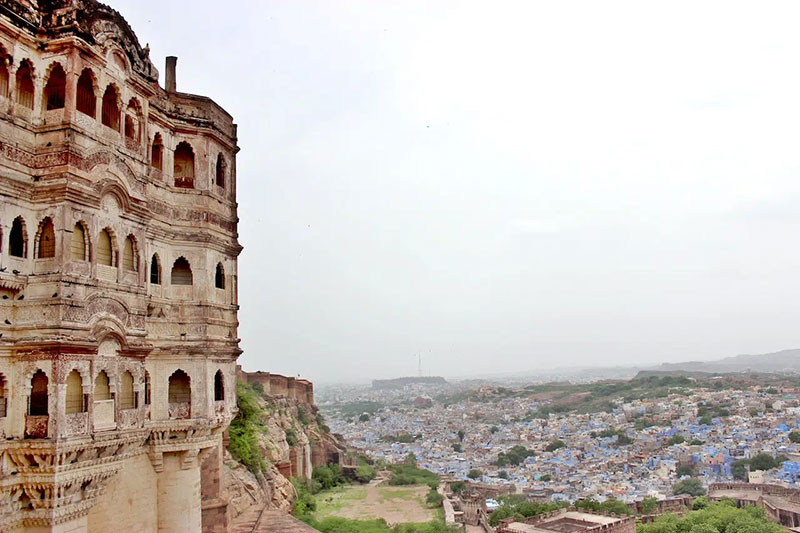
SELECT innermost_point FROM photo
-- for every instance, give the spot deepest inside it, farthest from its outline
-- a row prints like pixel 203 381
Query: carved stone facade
pixel 118 280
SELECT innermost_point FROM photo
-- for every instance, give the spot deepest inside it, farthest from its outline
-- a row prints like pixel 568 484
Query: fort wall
pixel 298 389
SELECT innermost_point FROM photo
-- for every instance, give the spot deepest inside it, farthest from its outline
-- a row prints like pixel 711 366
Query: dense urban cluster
pixel 595 442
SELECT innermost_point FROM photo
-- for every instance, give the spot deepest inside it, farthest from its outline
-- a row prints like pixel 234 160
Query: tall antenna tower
pixel 419 364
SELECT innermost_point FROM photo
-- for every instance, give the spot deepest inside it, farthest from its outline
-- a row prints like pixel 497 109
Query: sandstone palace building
pixel 118 297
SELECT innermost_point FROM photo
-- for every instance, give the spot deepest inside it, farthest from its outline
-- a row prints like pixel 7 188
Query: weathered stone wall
pixel 130 501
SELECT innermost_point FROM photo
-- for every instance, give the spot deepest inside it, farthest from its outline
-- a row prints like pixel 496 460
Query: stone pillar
pixel 71 90
pixel 215 508
pixel 179 494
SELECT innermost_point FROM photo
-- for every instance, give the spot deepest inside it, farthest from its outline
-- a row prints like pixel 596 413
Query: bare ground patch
pixel 394 504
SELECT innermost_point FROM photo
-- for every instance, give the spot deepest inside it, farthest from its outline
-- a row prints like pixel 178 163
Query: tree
pixel 555 445
pixel 685 470
pixel 700 503
pixel 546 477
pixel 714 518
pixel 458 487
pixel 692 487
pixel 325 476
pixel 623 440
pixel 474 473
pixel 794 436
pixel 457 447
pixel 676 439
pixel 434 499
pixel 615 506
pixel 365 473
pixel 363 418
pixel 460 435
pixel 649 505
pixel 739 469
pixel 763 461
pixel 493 430
pixel 502 474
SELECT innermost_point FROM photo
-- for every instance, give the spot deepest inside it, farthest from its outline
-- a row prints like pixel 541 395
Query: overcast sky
pixel 502 185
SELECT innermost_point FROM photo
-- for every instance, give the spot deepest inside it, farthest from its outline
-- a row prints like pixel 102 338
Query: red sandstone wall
pixel 276 385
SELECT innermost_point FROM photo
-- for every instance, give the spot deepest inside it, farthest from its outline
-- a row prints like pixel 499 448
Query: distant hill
pixel 399 383
pixel 785 361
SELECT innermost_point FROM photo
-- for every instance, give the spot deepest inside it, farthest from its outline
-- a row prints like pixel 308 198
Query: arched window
pixel 147 387
pixel 155 270
pixel 132 120
pixel 130 260
pixel 86 102
pixel 78 245
pixel 110 110
pixel 157 152
pixel 25 84
pixel 180 395
pixel 220 170
pixel 102 390
pixel 3 395
pixel 46 244
pixel 183 170
pixel 56 88
pixel 74 403
pixel 17 239
pixel 219 387
pixel 105 249
pixel 181 272
pixel 4 77
pixel 126 396
pixel 219 277
pixel 37 404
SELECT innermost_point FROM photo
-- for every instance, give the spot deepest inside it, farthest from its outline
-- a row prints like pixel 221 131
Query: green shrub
pixel 434 499
pixel 245 427
pixel 291 437
pixel 713 518
pixel 305 504
pixel 302 416
pixel 649 505
pixel 408 474
pixel 365 473
pixel 328 476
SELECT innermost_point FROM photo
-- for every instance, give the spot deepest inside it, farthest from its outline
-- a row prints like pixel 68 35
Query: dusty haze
pixel 503 185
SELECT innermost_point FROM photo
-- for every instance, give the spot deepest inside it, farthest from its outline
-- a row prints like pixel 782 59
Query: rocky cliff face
pixel 289 438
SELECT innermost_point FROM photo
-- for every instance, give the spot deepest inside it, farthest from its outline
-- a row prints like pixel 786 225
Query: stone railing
pixel 180 410
pixel 36 426
pixel 77 423
pixel 104 415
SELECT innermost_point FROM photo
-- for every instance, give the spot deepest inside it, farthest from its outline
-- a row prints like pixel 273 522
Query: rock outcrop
pixel 291 439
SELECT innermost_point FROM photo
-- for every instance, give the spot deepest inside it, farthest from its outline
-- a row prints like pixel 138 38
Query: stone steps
pixel 257 520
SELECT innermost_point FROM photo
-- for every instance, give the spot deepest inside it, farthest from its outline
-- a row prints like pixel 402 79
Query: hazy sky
pixel 502 185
